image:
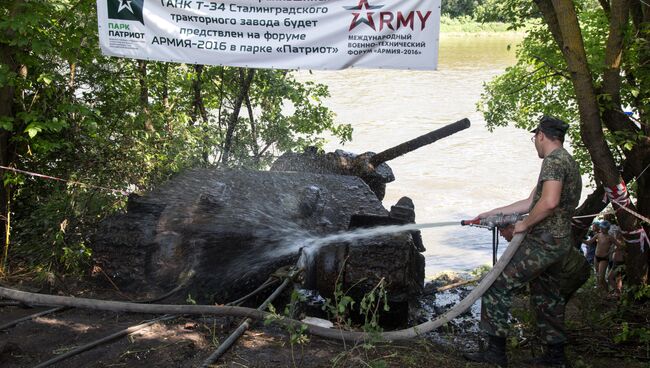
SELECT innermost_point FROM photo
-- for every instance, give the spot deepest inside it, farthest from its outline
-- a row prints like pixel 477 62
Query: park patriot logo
pixel 365 13
pixel 126 10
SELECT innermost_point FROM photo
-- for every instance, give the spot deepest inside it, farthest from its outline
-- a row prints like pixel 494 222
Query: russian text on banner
pixel 281 34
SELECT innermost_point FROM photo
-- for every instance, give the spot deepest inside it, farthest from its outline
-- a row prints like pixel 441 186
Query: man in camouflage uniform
pixel 550 207
pixel 573 272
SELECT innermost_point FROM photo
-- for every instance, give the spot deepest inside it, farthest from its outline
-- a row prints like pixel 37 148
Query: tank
pixel 220 233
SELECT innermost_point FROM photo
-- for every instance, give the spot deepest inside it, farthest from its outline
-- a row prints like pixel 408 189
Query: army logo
pixel 126 10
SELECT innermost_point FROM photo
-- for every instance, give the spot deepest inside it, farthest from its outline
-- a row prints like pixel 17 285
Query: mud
pixel 187 341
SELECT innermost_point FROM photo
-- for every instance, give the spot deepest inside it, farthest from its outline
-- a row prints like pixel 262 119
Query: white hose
pixel 408 333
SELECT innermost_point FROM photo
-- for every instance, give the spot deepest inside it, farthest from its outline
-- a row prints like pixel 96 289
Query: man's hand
pixel 521 227
pixel 507 232
pixel 484 215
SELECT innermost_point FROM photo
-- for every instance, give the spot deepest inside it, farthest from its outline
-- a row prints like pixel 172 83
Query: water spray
pixel 371 232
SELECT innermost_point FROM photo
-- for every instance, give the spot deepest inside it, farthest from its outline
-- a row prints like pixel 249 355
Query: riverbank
pixel 602 333
pixel 464 26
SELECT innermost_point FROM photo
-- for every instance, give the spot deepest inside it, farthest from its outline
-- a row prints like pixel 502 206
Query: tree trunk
pixel 245 83
pixel 641 13
pixel 590 123
pixel 546 7
pixel 593 205
pixel 144 95
pixel 643 205
pixel 7 97
pixel 251 117
pixel 164 97
pixel 165 88
pixel 613 116
pixel 199 110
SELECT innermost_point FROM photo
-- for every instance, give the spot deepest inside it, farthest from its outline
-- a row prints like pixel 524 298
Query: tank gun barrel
pixel 418 142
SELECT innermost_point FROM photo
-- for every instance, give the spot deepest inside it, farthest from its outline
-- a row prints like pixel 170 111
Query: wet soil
pixel 187 341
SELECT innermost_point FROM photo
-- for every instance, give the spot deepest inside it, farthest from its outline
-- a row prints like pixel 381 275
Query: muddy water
pixel 452 179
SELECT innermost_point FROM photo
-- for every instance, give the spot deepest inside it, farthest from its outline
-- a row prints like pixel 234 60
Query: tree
pixel 458 8
pixel 588 62
pixel 70 112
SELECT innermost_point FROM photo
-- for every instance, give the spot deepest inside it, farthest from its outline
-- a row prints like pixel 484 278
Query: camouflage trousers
pixel 537 262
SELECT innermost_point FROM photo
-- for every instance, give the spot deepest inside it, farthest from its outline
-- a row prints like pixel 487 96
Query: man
pixel 550 207
pixel 590 252
pixel 573 272
pixel 604 246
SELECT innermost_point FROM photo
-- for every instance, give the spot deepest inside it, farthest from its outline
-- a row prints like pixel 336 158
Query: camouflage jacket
pixel 559 165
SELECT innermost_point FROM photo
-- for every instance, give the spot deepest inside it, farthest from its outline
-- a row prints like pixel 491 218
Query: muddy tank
pixel 339 162
pixel 221 233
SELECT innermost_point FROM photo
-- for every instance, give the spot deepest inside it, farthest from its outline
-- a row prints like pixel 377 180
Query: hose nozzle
pixel 495 221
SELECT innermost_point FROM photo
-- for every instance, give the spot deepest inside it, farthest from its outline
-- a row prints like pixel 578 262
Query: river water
pixel 452 179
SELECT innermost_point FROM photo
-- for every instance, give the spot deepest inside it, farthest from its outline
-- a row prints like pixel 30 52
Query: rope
pixel 122 192
pixel 642 171
pixel 634 213
pixel 627 209
pixel 595 214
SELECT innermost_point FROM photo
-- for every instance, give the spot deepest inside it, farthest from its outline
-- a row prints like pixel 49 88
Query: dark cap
pixel 552 127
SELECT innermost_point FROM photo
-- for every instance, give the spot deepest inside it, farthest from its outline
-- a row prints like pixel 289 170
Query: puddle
pixel 463 331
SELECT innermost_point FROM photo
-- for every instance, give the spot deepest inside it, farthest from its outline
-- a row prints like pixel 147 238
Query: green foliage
pixel 539 84
pixel 464 24
pixel 341 307
pixel 378 364
pixel 480 271
pixel 370 304
pixel 190 300
pixel 457 8
pixel 635 332
pixel 516 13
pixel 297 332
pixel 79 115
pixel 52 232
pixel 491 11
pixel 641 334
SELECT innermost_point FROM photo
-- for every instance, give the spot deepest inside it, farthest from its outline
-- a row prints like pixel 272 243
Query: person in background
pixel 590 250
pixel 604 243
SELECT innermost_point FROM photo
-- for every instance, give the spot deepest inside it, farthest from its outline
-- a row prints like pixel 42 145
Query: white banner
pixel 281 34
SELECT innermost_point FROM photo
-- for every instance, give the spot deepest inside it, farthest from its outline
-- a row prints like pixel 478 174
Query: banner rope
pixel 116 191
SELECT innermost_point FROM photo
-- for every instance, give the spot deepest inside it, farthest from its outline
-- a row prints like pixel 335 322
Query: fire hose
pixel 233 311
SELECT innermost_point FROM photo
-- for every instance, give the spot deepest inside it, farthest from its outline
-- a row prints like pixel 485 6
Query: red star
pixel 363 4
